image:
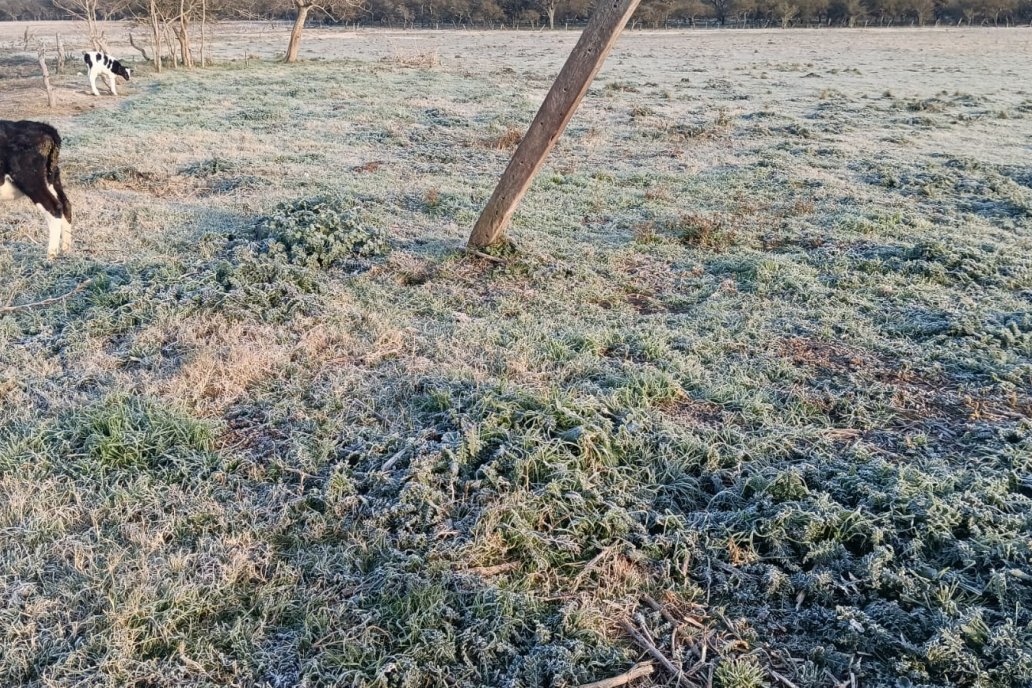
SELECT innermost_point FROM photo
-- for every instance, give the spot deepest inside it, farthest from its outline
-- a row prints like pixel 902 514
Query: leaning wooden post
pixel 42 52
pixel 562 100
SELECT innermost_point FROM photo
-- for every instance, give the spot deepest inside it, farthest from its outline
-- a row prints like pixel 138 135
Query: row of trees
pixel 171 23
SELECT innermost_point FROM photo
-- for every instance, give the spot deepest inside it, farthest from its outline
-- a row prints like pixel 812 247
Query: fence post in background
pixel 42 52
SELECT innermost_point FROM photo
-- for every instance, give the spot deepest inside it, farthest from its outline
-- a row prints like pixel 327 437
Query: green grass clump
pixel 739 672
pixel 324 231
pixel 259 280
pixel 128 432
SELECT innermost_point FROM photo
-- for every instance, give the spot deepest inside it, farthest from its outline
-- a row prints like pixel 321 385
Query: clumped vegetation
pixel 324 231
pixel 704 231
pixel 767 412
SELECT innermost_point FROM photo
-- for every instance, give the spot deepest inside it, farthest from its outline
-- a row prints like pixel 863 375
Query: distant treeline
pixel 558 13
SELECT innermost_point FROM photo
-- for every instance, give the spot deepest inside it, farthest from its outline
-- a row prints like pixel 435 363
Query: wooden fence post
pixel 42 53
pixel 562 100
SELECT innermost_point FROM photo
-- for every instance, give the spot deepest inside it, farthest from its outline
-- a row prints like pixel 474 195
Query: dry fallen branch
pixel 45 302
pixel 657 655
pixel 781 679
pixel 389 463
pixel 485 256
pixel 590 566
pixel 637 671
pixel 657 607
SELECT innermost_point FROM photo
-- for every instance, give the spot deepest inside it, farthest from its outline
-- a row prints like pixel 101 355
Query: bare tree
pixel 87 11
pixel 303 8
pixel 785 12
pixel 204 31
pixel 550 6
pixel 181 29
pixel 922 10
pixel 721 9
pixel 156 33
pixel 61 55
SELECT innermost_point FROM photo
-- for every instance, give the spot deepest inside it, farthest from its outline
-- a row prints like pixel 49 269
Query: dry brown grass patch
pixel 826 356
pixel 696 413
pixel 426 59
pixel 713 232
pixel 371 166
pixel 222 364
pixel 508 140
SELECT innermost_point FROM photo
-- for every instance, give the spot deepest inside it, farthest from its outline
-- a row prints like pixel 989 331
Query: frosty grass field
pixel 755 378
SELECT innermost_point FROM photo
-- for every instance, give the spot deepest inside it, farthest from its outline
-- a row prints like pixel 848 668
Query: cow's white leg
pixel 66 226
pixel 111 83
pixel 93 81
pixel 56 226
pixel 66 236
pixel 8 191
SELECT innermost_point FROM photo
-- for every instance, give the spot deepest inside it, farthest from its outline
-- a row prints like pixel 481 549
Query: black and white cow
pixel 28 167
pixel 102 64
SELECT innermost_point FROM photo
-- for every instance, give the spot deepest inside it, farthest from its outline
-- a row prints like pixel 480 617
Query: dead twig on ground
pixel 46 302
pixel 781 679
pixel 657 607
pixel 485 256
pixel 636 671
pixel 657 655
pixel 389 463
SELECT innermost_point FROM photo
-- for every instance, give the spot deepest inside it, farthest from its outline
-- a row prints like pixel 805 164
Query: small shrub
pixel 323 231
pixel 658 194
pixel 925 105
pixel 427 59
pixel 645 233
pixel 432 199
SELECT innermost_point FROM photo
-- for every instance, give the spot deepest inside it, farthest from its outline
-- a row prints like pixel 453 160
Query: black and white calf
pixel 102 64
pixel 28 167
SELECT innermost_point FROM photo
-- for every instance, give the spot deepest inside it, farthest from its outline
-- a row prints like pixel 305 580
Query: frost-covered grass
pixel 761 358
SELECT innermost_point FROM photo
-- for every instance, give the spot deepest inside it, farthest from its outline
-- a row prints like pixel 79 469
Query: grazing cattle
pixel 28 167
pixel 102 64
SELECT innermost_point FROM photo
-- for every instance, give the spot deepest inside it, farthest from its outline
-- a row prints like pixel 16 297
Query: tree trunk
pixel 204 26
pixel 61 55
pixel 170 44
pixel 183 36
pixel 295 34
pixel 157 35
